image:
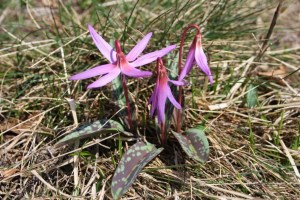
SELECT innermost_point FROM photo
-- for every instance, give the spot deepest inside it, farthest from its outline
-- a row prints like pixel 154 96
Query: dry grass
pixel 255 152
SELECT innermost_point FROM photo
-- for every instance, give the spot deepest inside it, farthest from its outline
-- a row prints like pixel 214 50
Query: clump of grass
pixel 255 151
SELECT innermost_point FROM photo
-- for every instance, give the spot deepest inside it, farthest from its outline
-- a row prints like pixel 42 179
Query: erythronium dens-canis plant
pixel 120 64
pixel 193 142
pixel 195 53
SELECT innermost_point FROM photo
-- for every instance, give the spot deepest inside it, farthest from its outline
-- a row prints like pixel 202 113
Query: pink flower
pixel 161 92
pixel 119 63
pixel 196 53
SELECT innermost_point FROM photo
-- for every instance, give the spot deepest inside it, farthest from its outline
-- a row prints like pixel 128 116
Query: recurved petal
pixel 177 82
pixel 202 63
pixel 139 48
pixel 150 57
pixel 188 64
pixel 172 99
pixel 133 72
pixel 102 69
pixel 106 50
pixel 104 79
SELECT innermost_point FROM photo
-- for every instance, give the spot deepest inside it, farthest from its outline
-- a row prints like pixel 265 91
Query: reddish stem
pixel 162 130
pixel 178 125
pixel 124 83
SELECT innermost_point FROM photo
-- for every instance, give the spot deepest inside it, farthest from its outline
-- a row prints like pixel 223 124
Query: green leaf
pixel 194 143
pixel 173 74
pixel 133 161
pixel 118 92
pixel 173 65
pixel 251 96
pixel 91 130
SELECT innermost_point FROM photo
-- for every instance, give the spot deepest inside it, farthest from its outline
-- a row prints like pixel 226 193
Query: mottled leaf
pixel 91 130
pixel 118 92
pixel 186 145
pixel 133 161
pixel 173 65
pixel 194 143
pixel 199 141
pixel 251 96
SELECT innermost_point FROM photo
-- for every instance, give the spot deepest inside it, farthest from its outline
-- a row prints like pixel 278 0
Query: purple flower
pixel 119 63
pixel 196 53
pixel 161 92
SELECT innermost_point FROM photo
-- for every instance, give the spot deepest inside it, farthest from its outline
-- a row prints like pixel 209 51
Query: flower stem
pixel 125 88
pixel 162 131
pixel 178 125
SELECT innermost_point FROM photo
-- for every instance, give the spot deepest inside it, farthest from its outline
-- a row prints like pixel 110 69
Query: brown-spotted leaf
pixel 199 141
pixel 186 145
pixel 133 161
pixel 194 143
pixel 91 130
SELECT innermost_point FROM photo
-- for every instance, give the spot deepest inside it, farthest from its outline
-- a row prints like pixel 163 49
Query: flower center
pixel 118 47
pixel 121 59
pixel 198 39
pixel 162 73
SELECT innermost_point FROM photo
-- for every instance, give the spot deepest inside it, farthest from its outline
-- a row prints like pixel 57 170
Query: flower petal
pixel 133 72
pixel 139 48
pixel 202 63
pixel 153 100
pixel 106 50
pixel 188 63
pixel 172 99
pixel 177 82
pixel 104 79
pixel 150 57
pixel 161 103
pixel 102 69
pixel 153 95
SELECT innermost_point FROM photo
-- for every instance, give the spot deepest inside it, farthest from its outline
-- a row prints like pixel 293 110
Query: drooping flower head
pixel 196 53
pixel 161 92
pixel 119 63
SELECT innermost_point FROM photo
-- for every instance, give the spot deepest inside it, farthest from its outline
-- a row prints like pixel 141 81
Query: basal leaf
pixel 91 130
pixel 251 96
pixel 186 145
pixel 133 161
pixel 199 141
pixel 118 92
pixel 173 65
pixel 173 74
pixel 194 143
